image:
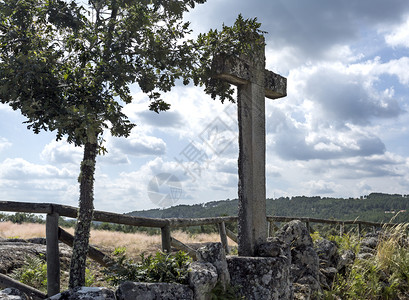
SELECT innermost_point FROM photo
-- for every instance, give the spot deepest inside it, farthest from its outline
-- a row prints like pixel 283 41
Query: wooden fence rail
pixel 54 233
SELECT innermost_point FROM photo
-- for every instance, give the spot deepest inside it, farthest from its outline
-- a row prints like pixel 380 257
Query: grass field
pixel 135 243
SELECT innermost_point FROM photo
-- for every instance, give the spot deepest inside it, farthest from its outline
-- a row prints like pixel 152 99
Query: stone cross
pixel 254 83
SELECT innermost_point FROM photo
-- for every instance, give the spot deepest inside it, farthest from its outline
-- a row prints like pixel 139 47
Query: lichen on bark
pixel 86 208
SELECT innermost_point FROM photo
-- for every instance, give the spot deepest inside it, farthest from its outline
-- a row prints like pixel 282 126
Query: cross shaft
pixel 254 83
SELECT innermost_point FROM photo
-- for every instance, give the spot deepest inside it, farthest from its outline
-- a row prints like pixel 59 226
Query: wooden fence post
pixel 359 230
pixel 223 236
pixel 270 228
pixel 166 239
pixel 307 224
pixel 53 254
pixel 231 235
pixel 341 229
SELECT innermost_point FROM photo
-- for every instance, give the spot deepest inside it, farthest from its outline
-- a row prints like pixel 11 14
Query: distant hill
pixel 376 207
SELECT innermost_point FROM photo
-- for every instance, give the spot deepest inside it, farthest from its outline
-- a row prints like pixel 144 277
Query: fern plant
pixel 162 267
pixel 33 273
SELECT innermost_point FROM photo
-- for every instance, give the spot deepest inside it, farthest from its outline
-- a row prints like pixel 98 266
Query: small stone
pixel 12 294
pixel 346 259
pixel 365 255
pixel 365 249
pixel 85 293
pixel 370 242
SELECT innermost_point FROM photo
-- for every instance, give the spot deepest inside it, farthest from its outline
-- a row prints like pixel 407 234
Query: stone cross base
pixel 261 277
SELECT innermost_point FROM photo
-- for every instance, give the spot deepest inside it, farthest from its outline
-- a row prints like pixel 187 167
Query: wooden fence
pixel 54 234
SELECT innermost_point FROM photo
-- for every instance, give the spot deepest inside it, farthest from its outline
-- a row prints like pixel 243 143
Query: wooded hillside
pixel 376 207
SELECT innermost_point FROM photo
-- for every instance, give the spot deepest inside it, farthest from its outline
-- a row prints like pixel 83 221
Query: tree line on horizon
pixel 375 207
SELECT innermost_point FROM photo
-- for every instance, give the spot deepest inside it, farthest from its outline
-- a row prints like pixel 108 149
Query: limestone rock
pixel 12 294
pixel 329 274
pixel 261 277
pixel 370 242
pixel 273 248
pixel 13 253
pixel 302 291
pixel 214 253
pixel 153 291
pixel 294 233
pixel 346 259
pixel 202 279
pixel 364 255
pixel 86 293
pixel 327 253
pixel 304 260
pixel 365 249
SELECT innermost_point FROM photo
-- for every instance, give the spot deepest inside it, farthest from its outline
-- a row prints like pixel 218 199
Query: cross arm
pixel 238 72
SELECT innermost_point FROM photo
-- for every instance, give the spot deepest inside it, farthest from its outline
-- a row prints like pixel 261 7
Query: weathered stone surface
pixel 304 259
pixel 329 273
pixel 255 83
pixel 365 249
pixel 364 255
pixel 86 293
pixel 261 277
pixel 294 233
pixel 346 259
pixel 153 291
pixel 13 253
pixel 327 253
pixel 202 279
pixel 302 291
pixel 12 294
pixel 214 253
pixel 271 248
pixel 370 242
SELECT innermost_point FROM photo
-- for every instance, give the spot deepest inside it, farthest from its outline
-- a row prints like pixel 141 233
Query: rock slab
pixel 153 291
pixel 12 294
pixel 86 293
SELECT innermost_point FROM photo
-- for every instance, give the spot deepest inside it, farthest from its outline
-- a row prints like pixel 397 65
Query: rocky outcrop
pixel 14 252
pixel 305 273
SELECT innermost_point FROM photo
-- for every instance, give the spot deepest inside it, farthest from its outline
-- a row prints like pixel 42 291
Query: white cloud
pixel 20 169
pixel 399 35
pixel 24 181
pixel 60 152
pixel 139 144
pixel 4 143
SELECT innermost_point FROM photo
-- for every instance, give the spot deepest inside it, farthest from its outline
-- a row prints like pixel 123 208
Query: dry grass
pixel 135 243
pixel 23 231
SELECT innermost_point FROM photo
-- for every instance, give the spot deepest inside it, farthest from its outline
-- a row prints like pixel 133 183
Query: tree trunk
pixel 86 208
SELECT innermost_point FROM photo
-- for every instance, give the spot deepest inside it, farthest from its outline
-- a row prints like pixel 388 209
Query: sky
pixel 342 131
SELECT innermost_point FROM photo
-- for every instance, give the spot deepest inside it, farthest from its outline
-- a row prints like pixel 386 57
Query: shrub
pixel 383 276
pixel 162 267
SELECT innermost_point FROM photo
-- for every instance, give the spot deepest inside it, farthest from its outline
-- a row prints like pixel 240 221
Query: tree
pixel 67 66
